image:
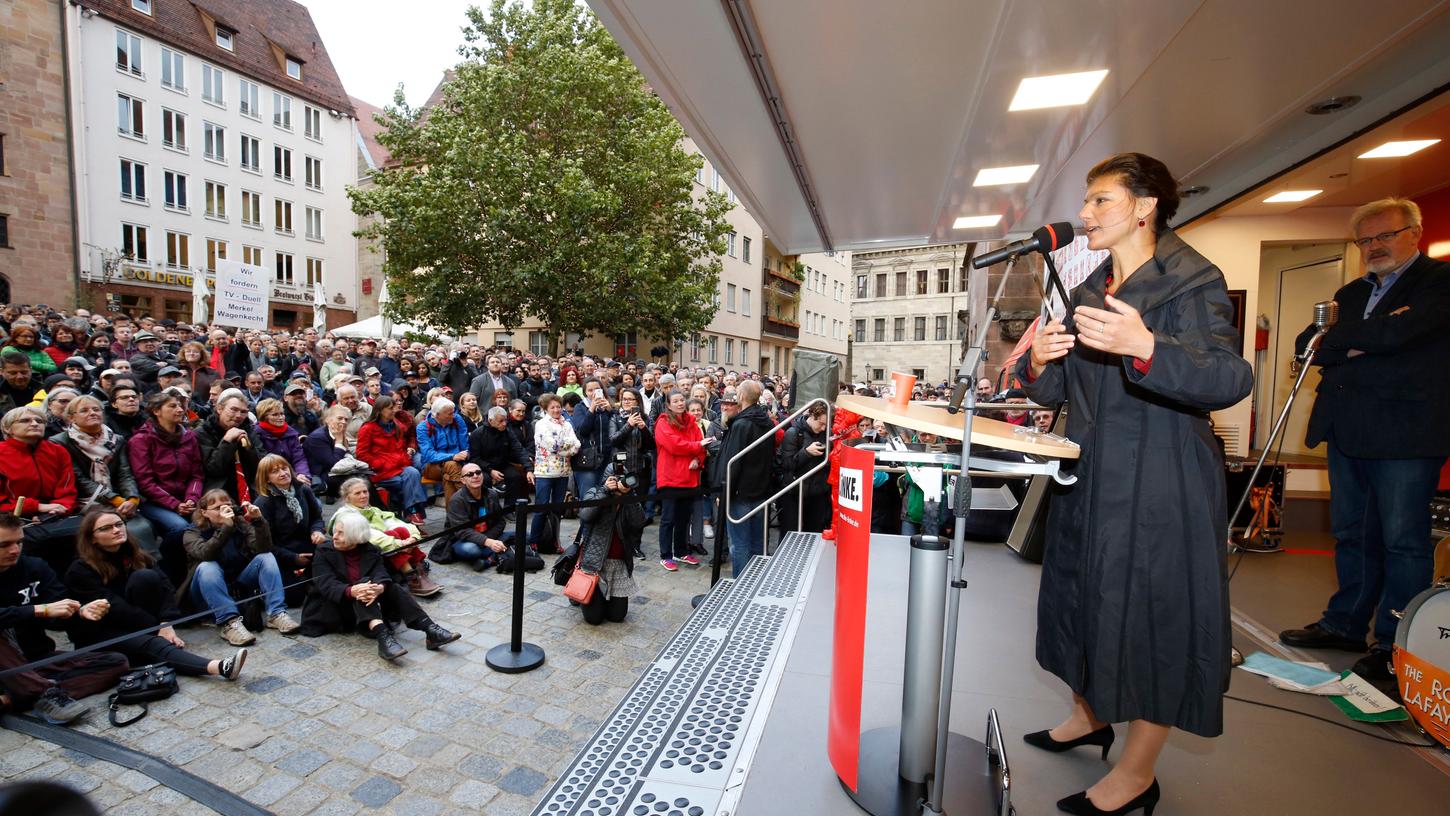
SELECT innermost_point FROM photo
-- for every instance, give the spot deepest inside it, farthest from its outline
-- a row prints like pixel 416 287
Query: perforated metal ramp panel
pixel 681 741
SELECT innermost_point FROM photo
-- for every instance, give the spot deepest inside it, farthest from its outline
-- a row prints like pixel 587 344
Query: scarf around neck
pixel 98 449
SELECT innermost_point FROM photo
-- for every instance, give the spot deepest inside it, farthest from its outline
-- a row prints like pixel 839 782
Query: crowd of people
pixel 152 470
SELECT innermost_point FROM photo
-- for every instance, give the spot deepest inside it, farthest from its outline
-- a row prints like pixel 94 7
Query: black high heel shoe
pixel 1080 804
pixel 1043 739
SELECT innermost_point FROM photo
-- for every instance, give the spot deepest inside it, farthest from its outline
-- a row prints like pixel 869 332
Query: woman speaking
pixel 1133 610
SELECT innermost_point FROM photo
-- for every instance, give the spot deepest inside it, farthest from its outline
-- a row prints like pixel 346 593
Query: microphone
pixel 1045 239
pixel 959 393
pixel 1326 314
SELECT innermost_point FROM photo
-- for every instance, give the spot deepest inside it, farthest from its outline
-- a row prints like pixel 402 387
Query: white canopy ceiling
pixel 889 109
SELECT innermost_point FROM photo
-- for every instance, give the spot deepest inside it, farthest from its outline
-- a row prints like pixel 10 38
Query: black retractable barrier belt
pixel 182 781
pixel 554 507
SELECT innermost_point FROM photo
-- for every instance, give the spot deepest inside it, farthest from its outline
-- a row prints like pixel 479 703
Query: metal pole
pixel 1308 358
pixel 921 696
pixel 516 656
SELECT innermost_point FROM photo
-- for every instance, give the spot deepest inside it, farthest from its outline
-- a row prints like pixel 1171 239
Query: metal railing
pixel 800 505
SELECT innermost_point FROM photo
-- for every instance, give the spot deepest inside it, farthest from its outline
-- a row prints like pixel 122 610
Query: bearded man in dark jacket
pixel 749 478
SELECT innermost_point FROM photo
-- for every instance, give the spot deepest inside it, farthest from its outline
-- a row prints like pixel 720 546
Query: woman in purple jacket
pixel 166 461
pixel 280 438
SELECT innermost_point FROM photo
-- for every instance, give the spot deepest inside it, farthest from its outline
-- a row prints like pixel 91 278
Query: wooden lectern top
pixel 992 433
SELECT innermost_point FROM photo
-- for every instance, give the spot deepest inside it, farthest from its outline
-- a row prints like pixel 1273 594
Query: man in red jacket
pixel 37 483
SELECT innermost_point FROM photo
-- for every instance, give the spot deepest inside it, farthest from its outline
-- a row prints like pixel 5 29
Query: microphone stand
pixel 1305 359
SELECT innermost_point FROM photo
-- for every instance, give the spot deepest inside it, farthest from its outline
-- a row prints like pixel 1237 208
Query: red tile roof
pixel 258 25
pixel 369 128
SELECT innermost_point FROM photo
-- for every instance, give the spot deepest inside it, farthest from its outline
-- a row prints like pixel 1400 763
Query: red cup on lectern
pixel 903 383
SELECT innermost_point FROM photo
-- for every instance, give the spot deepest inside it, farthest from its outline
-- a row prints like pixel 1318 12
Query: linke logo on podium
pixel 849 495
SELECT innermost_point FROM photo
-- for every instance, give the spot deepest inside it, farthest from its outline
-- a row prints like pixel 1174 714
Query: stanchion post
pixel 516 656
pixel 722 548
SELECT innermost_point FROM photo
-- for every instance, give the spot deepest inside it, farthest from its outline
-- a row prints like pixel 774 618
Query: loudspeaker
pixel 816 374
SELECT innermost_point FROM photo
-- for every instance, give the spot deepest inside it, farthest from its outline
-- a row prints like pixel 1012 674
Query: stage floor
pixel 1267 762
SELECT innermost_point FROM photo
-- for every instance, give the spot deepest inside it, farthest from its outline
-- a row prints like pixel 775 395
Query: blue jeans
pixel 167 523
pixel 675 523
pixel 547 490
pixel 470 552
pixel 409 484
pixel 209 586
pixel 747 538
pixel 587 480
pixel 1383 554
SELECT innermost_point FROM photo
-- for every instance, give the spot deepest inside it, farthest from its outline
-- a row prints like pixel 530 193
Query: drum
pixel 1422 661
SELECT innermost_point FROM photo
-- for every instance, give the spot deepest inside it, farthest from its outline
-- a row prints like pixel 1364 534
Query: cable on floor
pixel 1359 731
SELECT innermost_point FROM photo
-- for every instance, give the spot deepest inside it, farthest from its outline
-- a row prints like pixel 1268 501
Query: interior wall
pixel 1435 212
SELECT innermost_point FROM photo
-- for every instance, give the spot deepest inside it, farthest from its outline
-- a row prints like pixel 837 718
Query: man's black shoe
pixel 388 646
pixel 1315 636
pixel 1378 668
pixel 435 636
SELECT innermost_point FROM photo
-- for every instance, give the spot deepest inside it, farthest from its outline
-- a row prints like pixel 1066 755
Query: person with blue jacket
pixel 442 446
pixel 592 419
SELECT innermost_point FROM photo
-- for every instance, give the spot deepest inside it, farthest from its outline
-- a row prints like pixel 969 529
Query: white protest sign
pixel 241 295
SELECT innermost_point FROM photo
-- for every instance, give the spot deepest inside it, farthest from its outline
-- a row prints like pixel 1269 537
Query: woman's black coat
pixel 1133 610
pixel 287 532
pixel 328 607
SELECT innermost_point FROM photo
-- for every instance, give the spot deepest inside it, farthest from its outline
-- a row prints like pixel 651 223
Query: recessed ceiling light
pixel 1439 249
pixel 1056 91
pixel 1395 150
pixel 994 176
pixel 1195 190
pixel 1289 196
pixel 976 221
pixel 1333 104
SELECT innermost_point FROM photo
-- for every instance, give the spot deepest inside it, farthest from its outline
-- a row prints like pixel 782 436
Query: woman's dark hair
pixel 94 557
pixel 1145 177
pixel 379 405
pixel 571 399
pixel 155 402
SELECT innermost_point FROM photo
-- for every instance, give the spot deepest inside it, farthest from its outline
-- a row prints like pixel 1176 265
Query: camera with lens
pixel 622 471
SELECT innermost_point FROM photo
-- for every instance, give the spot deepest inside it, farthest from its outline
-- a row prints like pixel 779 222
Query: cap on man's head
pixel 729 398
pixel 110 372
pixel 295 388
pixel 168 371
pixel 372 371
pixel 297 375
pixel 142 336
pixel 77 361
pixel 356 378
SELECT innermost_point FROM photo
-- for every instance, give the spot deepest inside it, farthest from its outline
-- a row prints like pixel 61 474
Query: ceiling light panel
pixel 1395 150
pixel 1056 91
pixel 976 221
pixel 997 176
pixel 1291 196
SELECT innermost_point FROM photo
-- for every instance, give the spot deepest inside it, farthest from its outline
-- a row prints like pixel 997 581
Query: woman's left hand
pixel 1120 331
pixel 168 634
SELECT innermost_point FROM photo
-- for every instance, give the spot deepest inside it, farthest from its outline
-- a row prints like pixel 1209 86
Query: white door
pixel 1300 287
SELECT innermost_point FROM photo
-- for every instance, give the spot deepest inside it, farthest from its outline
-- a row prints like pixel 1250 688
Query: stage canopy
pixel 856 124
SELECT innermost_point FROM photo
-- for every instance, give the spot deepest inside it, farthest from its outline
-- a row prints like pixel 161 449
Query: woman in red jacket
pixel 38 484
pixel 386 443
pixel 680 454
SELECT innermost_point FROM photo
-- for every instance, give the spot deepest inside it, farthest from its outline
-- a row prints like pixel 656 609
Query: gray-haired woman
pixel 103 469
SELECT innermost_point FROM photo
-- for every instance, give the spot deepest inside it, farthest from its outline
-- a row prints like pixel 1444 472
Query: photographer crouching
pixel 609 542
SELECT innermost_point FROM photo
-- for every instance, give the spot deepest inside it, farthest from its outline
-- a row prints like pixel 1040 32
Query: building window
pixel 225 38
pixel 282 216
pixel 284 267
pixel 878 330
pixel 216 250
pixel 173 70
pixel 178 250
pixel 313 169
pixel 729 297
pixel 281 163
pixel 730 244
pixel 143 6
pixel 695 348
pixel 729 350
pixel 214 142
pixel 807 327
pixel 175 184
pixel 211 85
pixel 714 179
pixel 251 209
pixel 247 91
pixel 898 329
pixel 251 153
pixel 745 251
pixel 314 272
pixel 745 302
pixel 861 287
pixel 128 52
pixel 4 231
pixel 918 328
pixel 538 343
pixel 2 154
pixel 921 281
pixel 713 350
pixel 130 117
pixel 294 68
pixel 943 281
pixel 282 111
pixel 313 217
pixel 881 285
pixel 901 284
pixel 312 123
pixel 860 331
pixel 133 243
pixel 941 327
pixel 133 181
pixel 173 130
pixel 216 200
pixel 962 279
pixel 878 374
pixel 252 256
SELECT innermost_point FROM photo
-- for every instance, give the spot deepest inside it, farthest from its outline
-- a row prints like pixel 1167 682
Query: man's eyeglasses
pixel 1383 237
pixel 469 474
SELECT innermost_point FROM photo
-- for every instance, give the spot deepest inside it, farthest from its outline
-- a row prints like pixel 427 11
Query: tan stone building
pixel 37 227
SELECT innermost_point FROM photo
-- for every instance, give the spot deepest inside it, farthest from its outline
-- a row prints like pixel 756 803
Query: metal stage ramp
pixel 681 741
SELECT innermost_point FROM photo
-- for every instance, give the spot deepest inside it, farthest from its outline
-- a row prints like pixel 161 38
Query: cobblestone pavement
pixel 323 726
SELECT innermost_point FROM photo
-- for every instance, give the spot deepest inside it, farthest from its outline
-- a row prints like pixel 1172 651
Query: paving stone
pixel 376 792
pixel 303 762
pixel 273 749
pixel 481 767
pixel 425 746
pixel 300 651
pixel 413 805
pixel 273 787
pixel 522 781
pixel 243 737
pixel 135 781
pixel 81 781
pixel 364 751
pixel 264 685
pixel 300 801
pixel 338 775
pixel 395 765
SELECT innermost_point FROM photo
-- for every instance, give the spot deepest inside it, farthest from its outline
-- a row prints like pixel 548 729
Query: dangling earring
pixel 1142 223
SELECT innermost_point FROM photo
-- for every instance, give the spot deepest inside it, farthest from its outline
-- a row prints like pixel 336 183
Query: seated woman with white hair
pixel 442 446
pixel 352 590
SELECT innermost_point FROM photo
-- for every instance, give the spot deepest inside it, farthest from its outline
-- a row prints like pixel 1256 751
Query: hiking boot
pixel 669 564
pixel 59 708
pixel 388 646
pixel 235 632
pixel 423 586
pixel 690 559
pixel 436 636
pixel 231 668
pixel 283 623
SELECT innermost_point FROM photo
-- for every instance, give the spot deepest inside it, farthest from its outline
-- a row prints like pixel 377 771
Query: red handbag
pixel 581 586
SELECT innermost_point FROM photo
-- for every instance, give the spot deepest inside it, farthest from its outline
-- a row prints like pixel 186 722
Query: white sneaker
pixel 709 531
pixel 283 623
pixel 236 633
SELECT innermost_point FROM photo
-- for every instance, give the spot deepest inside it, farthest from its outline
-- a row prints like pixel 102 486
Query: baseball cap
pixel 167 371
pixel 294 388
pixel 372 371
pixel 730 397
pixel 143 335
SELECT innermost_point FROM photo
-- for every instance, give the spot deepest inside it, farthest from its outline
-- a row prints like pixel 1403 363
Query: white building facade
pixel 208 135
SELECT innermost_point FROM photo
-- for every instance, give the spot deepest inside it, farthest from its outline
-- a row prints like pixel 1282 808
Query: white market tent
pixel 373 327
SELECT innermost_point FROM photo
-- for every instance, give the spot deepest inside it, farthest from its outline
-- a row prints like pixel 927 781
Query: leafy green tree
pixel 548 181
